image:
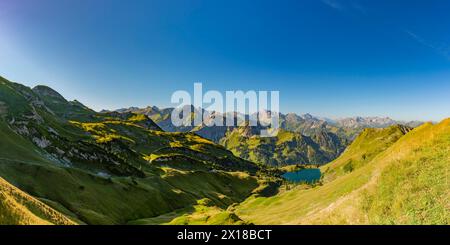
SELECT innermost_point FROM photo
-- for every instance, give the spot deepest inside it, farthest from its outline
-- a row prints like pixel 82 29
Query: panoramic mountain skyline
pixel 331 58
pixel 225 112
pixel 57 157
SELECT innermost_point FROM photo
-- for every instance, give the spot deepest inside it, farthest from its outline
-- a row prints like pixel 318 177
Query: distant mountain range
pixel 304 123
pixel 304 139
pixel 371 122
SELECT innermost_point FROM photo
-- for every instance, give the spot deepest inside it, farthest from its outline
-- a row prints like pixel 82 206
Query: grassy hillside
pixel 406 183
pixel 80 166
pixel 17 207
pixel 110 168
pixel 287 148
pixel 204 213
pixel 370 143
pixel 60 106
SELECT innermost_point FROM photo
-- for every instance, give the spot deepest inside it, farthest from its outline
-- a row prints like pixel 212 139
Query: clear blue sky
pixel 330 58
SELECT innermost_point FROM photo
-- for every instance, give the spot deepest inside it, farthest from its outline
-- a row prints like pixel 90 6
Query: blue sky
pixel 331 58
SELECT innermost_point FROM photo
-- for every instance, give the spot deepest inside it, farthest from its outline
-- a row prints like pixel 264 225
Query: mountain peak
pixel 46 91
pixel 308 116
pixel 371 122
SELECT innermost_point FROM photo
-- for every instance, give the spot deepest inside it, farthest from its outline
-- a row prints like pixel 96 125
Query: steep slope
pixel 59 106
pixel 109 168
pixel 364 148
pixel 17 207
pixel 204 213
pixel 407 183
pixel 286 148
pixel 163 117
pixel 129 138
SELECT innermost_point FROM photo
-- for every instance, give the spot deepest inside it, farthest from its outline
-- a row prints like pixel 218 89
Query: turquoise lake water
pixel 309 175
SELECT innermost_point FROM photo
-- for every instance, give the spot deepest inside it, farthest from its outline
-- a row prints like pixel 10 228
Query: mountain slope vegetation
pixel 110 168
pixel 287 148
pixel 63 163
pixel 370 143
pixel 404 183
pixel 17 207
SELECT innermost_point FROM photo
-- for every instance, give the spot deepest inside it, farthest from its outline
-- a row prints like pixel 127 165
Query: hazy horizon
pixel 323 117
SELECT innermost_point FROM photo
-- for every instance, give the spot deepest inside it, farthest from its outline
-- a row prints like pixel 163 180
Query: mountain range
pixel 63 163
pixel 304 139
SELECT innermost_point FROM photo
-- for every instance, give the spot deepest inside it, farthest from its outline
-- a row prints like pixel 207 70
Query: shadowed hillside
pixel 287 148
pixel 17 207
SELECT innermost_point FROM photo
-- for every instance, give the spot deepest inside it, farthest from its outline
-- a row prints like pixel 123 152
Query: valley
pixel 64 163
pixel 110 168
pixel 399 180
